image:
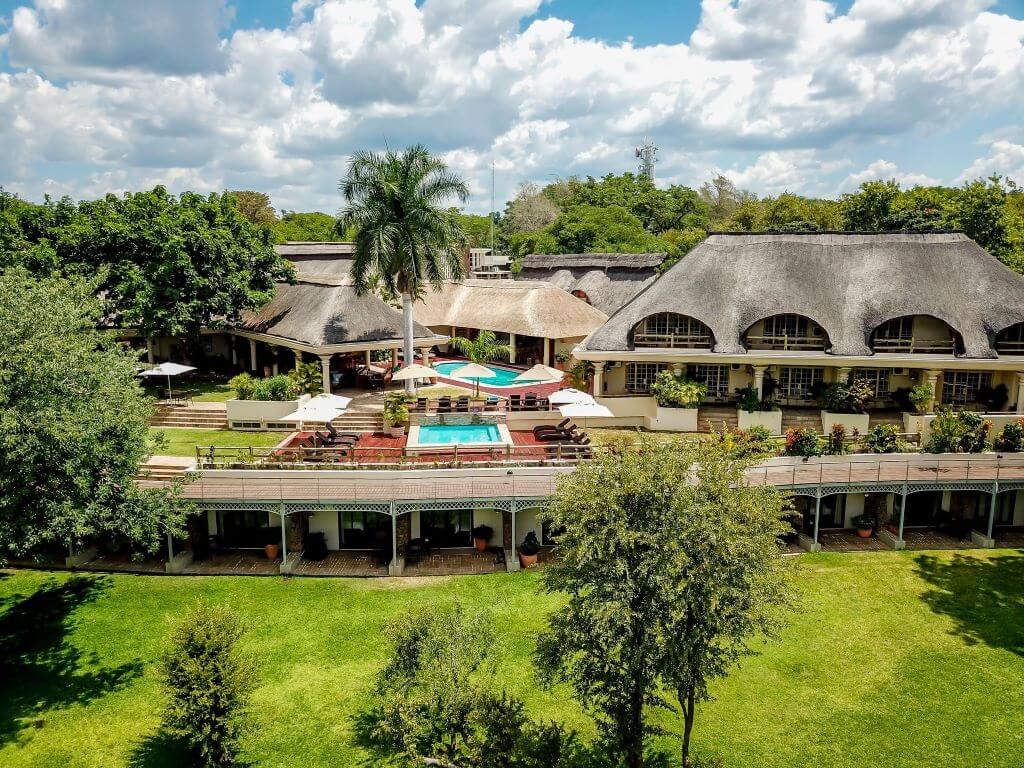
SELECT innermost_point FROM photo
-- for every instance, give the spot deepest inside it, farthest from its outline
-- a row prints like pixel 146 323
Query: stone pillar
pixel 677 369
pixel 932 379
pixel 325 368
pixel 425 355
pixel 252 355
pixel 367 358
pixel 276 367
pixel 394 359
pixel 1020 392
pixel 598 379
pixel 547 351
pixel 234 350
pixel 150 356
pixel 298 358
pixel 843 375
pixel 403 528
pixel 759 371
pixel 512 348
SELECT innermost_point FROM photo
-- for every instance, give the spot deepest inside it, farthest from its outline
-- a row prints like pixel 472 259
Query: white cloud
pixel 886 170
pixel 1004 157
pixel 785 81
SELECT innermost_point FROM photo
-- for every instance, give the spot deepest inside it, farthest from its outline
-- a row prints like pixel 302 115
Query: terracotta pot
pixel 480 544
pixel 864 533
pixel 272 551
pixel 397 431
pixel 893 528
pixel 528 561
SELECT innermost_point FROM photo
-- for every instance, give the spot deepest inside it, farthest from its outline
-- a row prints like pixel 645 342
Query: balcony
pixel 671 340
pixel 916 346
pixel 787 343
pixel 1010 347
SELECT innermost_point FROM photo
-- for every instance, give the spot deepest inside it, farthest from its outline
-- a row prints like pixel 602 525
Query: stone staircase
pixel 196 416
pixel 808 418
pixel 159 470
pixel 716 416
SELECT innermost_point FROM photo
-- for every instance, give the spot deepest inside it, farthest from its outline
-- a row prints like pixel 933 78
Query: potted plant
pixel 562 360
pixel 677 399
pixel 396 413
pixel 752 411
pixel 272 549
pixel 920 397
pixel 865 525
pixel 482 535
pixel 845 403
pixel 529 550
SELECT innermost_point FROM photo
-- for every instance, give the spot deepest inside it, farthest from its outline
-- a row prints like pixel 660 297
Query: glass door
pixel 447 528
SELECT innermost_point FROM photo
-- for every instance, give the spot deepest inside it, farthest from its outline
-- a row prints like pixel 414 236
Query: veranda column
pixel 677 369
pixel 252 355
pixel 234 349
pixel 325 368
pixel 547 351
pixel 512 348
pixel 1020 392
pixel 276 366
pixel 298 358
pixel 759 371
pixel 367 358
pixel 150 357
pixel 843 374
pixel 932 378
pixel 394 359
pixel 598 379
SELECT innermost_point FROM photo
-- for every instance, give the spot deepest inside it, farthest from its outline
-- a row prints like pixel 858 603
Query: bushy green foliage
pixel 1011 437
pixel 74 424
pixel 747 400
pixel 846 397
pixel 277 388
pixel 921 396
pixel 802 441
pixel 835 441
pixel 206 678
pixel 306 227
pixel 307 378
pixel 673 391
pixel 255 206
pixel 755 442
pixel 883 438
pixel 396 409
pixel 961 432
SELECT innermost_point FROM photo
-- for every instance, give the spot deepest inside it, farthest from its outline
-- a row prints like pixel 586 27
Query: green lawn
pixel 894 660
pixel 183 442
pixel 205 391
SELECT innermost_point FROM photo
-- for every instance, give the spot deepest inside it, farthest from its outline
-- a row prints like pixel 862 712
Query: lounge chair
pixel 462 404
pixel 422 404
pixel 564 427
pixel 444 405
pixel 530 402
pixel 515 402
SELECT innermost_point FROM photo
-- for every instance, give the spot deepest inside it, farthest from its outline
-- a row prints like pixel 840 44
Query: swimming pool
pixel 452 434
pixel 503 377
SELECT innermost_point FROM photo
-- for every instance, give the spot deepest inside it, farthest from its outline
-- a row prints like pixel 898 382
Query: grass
pixel 183 442
pixel 901 660
pixel 205 391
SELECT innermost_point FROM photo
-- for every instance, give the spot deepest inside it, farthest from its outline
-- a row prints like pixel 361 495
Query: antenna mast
pixel 647 153
pixel 490 215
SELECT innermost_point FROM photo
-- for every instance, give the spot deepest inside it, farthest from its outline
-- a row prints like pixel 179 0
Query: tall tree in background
pixel 74 425
pixel 305 227
pixel 404 235
pixel 256 207
pixel 667 580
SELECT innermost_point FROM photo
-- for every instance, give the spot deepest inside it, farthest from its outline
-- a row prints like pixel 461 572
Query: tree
pixel 642 547
pixel 305 227
pixel 256 207
pixel 722 198
pixel 404 236
pixel 612 229
pixel 74 425
pixel 482 349
pixel 868 209
pixel 978 210
pixel 206 678
pixel 477 229
pixel 530 211
pixel 659 210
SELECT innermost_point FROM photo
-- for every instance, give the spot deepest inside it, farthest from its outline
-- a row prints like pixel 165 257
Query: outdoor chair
pixel 315 547
pixel 530 403
pixel 564 429
pixel 422 404
pixel 462 404
pixel 515 402
pixel 444 405
pixel 492 404
pixel 416 550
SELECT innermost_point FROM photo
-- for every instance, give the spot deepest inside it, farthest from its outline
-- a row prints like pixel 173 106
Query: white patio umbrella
pixel 414 371
pixel 540 372
pixel 323 408
pixel 571 396
pixel 168 370
pixel 474 372
pixel 592 410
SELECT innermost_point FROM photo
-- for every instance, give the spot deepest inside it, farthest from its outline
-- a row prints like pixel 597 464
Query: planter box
pixel 675 419
pixel 770 420
pixel 852 421
pixel 913 423
pixel 254 414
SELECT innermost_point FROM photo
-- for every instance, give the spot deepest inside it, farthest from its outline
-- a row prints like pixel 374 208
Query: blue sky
pixel 799 95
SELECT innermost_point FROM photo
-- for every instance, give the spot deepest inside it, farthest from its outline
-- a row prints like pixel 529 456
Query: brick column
pixel 403 527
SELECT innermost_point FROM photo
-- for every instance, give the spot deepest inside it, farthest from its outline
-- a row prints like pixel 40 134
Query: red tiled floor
pixel 342 563
pixel 451 562
pixel 849 541
pixel 932 538
pixel 1011 538
pixel 242 562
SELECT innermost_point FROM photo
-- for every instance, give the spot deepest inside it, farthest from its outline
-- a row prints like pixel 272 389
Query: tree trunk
pixel 407 336
pixel 635 745
pixel 688 701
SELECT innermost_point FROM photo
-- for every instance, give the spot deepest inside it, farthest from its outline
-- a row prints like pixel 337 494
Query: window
pixel 878 378
pixel 715 377
pixel 790 325
pixel 640 376
pixel 961 387
pixel 799 383
pixel 362 529
pixel 1011 340
pixel 898 328
pixel 447 527
pixel 667 329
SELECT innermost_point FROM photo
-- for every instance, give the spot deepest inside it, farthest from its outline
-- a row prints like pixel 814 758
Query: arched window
pixel 786 332
pixel 669 330
pixel 581 295
pixel 921 334
pixel 1010 341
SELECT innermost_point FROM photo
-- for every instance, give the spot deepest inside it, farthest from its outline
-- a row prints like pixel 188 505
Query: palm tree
pixel 405 237
pixel 482 349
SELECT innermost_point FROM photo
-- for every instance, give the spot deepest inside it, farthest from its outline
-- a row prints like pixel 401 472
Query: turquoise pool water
pixel 451 434
pixel 503 377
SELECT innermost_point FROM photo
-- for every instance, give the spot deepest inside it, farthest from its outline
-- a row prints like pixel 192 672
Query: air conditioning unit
pixel 898 371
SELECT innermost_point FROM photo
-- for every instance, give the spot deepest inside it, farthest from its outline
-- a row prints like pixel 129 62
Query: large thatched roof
pixel 323 315
pixel 848 283
pixel 523 307
pixel 608 280
pixel 327 263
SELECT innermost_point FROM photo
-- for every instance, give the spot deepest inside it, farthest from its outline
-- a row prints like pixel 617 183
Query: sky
pixel 806 96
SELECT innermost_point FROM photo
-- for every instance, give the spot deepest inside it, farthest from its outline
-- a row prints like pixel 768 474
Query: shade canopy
pixel 540 372
pixel 323 407
pixel 473 371
pixel 584 410
pixel 414 371
pixel 570 396
pixel 167 369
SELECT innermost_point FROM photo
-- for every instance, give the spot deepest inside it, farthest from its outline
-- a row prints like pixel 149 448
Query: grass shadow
pixel 161 750
pixel 983 596
pixel 39 667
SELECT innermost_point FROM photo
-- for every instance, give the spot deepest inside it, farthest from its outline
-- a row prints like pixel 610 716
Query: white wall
pixel 326 522
pixel 527 520
pixel 854 507
pixel 492 518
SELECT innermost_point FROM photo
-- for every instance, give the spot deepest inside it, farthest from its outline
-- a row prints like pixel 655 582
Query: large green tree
pixel 73 424
pixel 255 206
pixel 305 227
pixel 592 229
pixel 671 565
pixel 405 237
pixel 168 265
pixel 659 210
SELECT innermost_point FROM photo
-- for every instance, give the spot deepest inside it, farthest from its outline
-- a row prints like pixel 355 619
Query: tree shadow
pixel 984 596
pixel 39 667
pixel 161 750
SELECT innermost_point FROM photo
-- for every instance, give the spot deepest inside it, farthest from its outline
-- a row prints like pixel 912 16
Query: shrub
pixel 1011 438
pixel 749 401
pixel 396 409
pixel 801 441
pixel 962 432
pixel 883 438
pixel 207 677
pixel 275 388
pixel 673 391
pixel 920 397
pixel 835 443
pixel 484 532
pixel 530 545
pixel 307 378
pixel 851 397
pixel 992 398
pixel 755 442
pixel 864 522
pixel 243 384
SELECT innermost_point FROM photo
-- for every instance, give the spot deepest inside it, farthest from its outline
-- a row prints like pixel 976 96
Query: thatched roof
pixel 847 283
pixel 523 307
pixel 327 263
pixel 322 315
pixel 608 280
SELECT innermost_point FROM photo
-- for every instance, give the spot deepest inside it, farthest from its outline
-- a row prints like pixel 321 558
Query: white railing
pixel 915 346
pixel 786 343
pixel 671 340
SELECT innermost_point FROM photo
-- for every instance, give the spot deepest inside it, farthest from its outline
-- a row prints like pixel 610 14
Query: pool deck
pixel 542 389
